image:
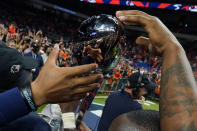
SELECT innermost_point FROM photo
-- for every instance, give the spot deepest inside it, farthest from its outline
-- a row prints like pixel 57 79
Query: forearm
pixel 178 100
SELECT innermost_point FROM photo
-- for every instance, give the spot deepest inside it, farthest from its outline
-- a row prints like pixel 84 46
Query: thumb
pixel 53 55
pixel 99 51
pixel 143 41
pixel 89 47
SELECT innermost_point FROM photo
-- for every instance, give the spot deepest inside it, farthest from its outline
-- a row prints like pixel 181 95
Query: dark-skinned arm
pixel 178 97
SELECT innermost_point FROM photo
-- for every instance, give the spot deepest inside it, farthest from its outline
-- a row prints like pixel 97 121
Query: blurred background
pixel 58 20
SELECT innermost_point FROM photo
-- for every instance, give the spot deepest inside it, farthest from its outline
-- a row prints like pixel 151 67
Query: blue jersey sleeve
pixel 12 106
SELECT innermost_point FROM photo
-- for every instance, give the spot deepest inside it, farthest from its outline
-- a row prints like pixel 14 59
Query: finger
pixel 99 58
pixel 131 12
pixel 79 70
pixel 85 89
pixel 53 55
pixel 87 80
pixel 89 47
pixel 135 20
pixel 79 96
pixel 99 51
pixel 143 41
pixel 95 51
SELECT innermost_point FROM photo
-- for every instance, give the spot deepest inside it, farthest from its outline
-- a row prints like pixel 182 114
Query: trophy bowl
pixel 104 32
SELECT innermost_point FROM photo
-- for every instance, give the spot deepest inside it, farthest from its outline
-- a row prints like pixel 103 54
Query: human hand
pixel 62 84
pixel 95 54
pixel 39 32
pixel 160 40
pixel 140 100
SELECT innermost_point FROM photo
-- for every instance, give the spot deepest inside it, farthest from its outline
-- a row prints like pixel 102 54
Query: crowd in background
pixel 20 29
pixel 31 19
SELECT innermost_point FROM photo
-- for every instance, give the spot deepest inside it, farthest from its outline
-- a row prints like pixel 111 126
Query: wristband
pixel 69 120
pixel 26 93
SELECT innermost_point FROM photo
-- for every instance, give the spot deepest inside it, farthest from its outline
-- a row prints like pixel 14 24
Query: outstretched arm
pixel 178 100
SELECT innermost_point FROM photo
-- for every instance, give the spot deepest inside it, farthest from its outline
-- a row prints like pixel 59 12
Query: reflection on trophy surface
pixel 104 32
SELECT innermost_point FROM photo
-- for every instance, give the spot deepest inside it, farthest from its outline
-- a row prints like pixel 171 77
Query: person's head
pixel 24 46
pixel 27 40
pixel 13 24
pixel 11 43
pixel 142 91
pixel 139 84
pixel 136 94
pixel 139 120
pixel 48 49
pixel 35 47
pixel 61 46
pixel 154 76
pixel 15 68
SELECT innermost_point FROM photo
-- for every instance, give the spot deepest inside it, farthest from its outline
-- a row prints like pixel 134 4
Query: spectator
pixel 19 76
pixel 37 57
pixel 10 111
pixel 120 102
pixel 12 28
pixel 45 56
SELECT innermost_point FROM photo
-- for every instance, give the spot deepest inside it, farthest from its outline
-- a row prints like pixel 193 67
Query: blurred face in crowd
pixel 61 39
pixel 42 46
pixel 61 46
pixel 35 49
pixel 25 46
pixel 11 44
pixel 12 26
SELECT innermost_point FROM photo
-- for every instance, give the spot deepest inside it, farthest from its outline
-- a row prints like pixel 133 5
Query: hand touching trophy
pixel 101 39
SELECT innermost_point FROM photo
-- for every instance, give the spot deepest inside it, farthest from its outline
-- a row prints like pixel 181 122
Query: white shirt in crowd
pixel 44 57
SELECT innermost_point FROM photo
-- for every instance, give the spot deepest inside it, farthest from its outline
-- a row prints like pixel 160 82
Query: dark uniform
pixel 40 62
pixel 118 102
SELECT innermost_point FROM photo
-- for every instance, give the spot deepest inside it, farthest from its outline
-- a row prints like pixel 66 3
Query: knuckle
pixel 154 20
pixel 72 84
pixel 93 66
pixel 138 12
pixel 138 18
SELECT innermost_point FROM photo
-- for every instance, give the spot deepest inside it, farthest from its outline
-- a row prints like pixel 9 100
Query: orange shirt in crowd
pixel 114 70
pixel 63 55
pixel 12 30
pixel 155 63
pixel 67 65
pixel 157 91
pixel 110 80
pixel 117 76
pixel 129 73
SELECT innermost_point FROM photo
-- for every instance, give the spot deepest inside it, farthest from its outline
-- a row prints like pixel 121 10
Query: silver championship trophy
pixel 104 32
